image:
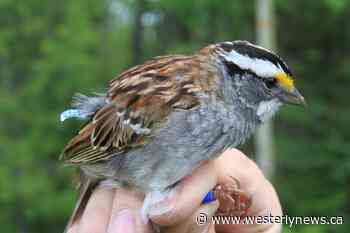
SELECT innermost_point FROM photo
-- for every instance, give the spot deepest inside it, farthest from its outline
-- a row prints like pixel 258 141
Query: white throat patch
pixel 267 109
pixel 261 67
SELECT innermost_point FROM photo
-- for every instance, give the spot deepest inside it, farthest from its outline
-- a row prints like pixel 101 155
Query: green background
pixel 51 49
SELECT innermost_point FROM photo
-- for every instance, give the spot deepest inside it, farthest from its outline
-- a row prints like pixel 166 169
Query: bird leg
pixel 233 201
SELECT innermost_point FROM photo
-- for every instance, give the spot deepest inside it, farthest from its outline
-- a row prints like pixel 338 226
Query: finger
pixel 264 198
pixel 199 222
pixel 189 195
pixel 96 215
pixel 125 215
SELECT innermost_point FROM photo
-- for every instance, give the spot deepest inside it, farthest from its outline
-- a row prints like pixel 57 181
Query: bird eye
pixel 270 83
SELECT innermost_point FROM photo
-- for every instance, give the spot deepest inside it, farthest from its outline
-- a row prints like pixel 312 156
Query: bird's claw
pixel 233 201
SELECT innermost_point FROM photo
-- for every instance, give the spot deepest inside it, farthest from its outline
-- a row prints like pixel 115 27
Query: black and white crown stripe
pixel 252 58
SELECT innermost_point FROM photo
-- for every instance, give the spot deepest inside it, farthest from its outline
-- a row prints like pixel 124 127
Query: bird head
pixel 261 76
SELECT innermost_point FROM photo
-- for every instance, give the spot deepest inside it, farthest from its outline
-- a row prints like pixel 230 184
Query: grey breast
pixel 189 138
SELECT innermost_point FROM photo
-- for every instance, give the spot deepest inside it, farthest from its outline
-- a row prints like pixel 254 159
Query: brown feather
pixel 142 96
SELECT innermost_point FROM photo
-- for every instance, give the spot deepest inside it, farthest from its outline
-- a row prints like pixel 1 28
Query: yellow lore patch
pixel 285 81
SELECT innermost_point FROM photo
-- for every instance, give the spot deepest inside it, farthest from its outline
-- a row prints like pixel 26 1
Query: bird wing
pixel 138 102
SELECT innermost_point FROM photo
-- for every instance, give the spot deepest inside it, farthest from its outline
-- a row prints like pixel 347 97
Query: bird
pixel 160 120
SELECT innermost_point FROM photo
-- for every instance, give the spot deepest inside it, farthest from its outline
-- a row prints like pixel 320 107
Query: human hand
pixel 118 210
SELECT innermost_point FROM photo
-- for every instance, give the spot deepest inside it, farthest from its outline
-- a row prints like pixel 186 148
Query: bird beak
pixel 293 97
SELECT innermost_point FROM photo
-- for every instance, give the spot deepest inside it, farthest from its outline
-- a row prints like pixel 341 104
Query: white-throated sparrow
pixel 160 120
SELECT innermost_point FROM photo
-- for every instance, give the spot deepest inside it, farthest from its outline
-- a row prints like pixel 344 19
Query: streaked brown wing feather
pixel 138 99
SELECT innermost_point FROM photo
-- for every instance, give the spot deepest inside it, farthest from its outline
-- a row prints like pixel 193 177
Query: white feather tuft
pixel 267 109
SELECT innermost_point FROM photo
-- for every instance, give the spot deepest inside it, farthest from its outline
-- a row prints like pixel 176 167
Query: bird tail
pixel 86 187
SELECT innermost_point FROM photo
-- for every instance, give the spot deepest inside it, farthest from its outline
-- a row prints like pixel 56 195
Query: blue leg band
pixel 208 198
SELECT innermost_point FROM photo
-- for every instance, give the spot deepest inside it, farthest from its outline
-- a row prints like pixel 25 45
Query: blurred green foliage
pixel 51 49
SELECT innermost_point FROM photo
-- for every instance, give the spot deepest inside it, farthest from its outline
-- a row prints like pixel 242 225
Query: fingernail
pixel 161 209
pixel 122 222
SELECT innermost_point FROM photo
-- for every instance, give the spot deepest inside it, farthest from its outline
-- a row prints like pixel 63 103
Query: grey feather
pixel 89 104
